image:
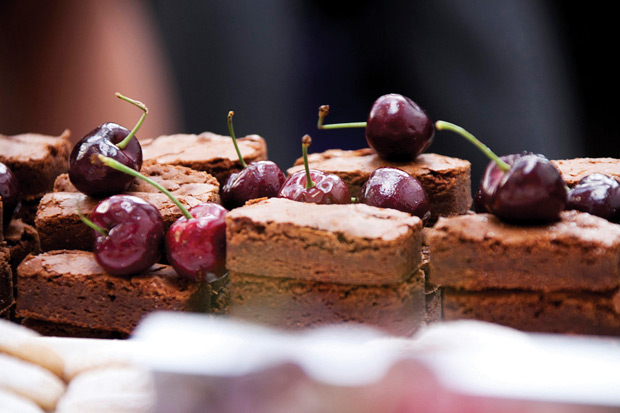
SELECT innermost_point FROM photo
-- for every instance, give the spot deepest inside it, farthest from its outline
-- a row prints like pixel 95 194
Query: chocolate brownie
pixel 349 244
pixel 478 252
pixel 446 180
pixel 36 160
pixel 48 328
pixel 21 239
pixel 69 287
pixel 207 152
pixel 573 170
pixel 292 303
pixel 6 282
pixel 59 224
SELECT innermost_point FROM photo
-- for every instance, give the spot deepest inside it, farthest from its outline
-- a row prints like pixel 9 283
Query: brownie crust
pixel 294 304
pixel 446 180
pixel 69 287
pixel 349 244
pixel 207 152
pixel 478 252
pixel 572 170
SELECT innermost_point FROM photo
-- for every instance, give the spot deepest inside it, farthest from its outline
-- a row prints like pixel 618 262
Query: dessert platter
pixel 116 250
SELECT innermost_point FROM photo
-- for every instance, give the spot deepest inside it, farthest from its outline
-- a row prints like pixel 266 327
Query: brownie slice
pixel 478 251
pixel 68 287
pixel 446 180
pixel 59 224
pixel 36 160
pixel 573 170
pixel 21 239
pixel 348 244
pixel 6 282
pixel 293 303
pixel 207 152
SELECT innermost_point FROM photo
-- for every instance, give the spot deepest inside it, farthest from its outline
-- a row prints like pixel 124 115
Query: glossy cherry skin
pixel 327 189
pixel 597 194
pixel 490 180
pixel 394 188
pixel 99 180
pixel 9 193
pixel 257 180
pixel 135 234
pixel 196 248
pixel 532 191
pixel 398 129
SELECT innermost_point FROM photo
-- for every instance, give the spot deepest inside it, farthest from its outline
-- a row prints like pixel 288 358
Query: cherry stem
pixel 442 125
pixel 306 141
pixel 122 144
pixel 112 163
pixel 88 222
pixel 234 138
pixel 324 111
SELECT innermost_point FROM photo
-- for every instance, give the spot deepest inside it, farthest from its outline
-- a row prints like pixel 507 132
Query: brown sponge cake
pixel 572 170
pixel 352 244
pixel 446 180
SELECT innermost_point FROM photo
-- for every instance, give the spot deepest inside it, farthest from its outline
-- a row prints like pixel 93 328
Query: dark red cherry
pixel 531 191
pixel 134 234
pixel 112 141
pixel 196 247
pixel 394 188
pixel 256 180
pixel 314 186
pixel 9 194
pixel 490 180
pixel 597 194
pixel 398 129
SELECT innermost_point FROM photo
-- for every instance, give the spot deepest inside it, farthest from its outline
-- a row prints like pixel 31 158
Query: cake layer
pixel 446 180
pixel 59 224
pixel 207 152
pixel 553 312
pixel 478 251
pixel 573 170
pixel 292 303
pixel 349 244
pixel 36 160
pixel 69 287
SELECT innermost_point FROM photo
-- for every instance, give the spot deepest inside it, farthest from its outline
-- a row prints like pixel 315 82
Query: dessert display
pixel 352 263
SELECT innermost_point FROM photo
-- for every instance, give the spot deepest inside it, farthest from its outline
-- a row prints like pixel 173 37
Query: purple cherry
pixel 133 234
pixel 597 194
pixel 394 188
pixel 110 140
pixel 9 193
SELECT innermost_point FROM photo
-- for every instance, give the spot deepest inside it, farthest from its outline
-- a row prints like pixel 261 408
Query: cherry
pixel 398 129
pixel 128 234
pixel 597 194
pixel 110 140
pixel 394 188
pixel 9 194
pixel 314 186
pixel 195 244
pixel 520 187
pixel 256 180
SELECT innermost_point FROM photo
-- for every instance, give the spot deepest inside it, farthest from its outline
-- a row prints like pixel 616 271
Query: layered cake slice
pixel 209 152
pixel 69 288
pixel 296 264
pixel 558 277
pixel 60 226
pixel 572 170
pixel 446 180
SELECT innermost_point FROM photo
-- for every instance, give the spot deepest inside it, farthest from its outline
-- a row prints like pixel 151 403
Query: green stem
pixel 234 138
pixel 306 141
pixel 88 222
pixel 324 111
pixel 122 144
pixel 123 168
pixel 442 125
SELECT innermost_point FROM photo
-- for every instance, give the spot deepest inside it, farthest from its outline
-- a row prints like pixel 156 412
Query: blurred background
pixel 519 74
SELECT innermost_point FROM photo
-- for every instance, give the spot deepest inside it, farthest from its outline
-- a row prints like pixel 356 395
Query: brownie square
pixel 478 251
pixel 446 180
pixel 21 239
pixel 36 160
pixel 69 287
pixel 207 152
pixel 572 170
pixel 348 244
pixel 291 303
